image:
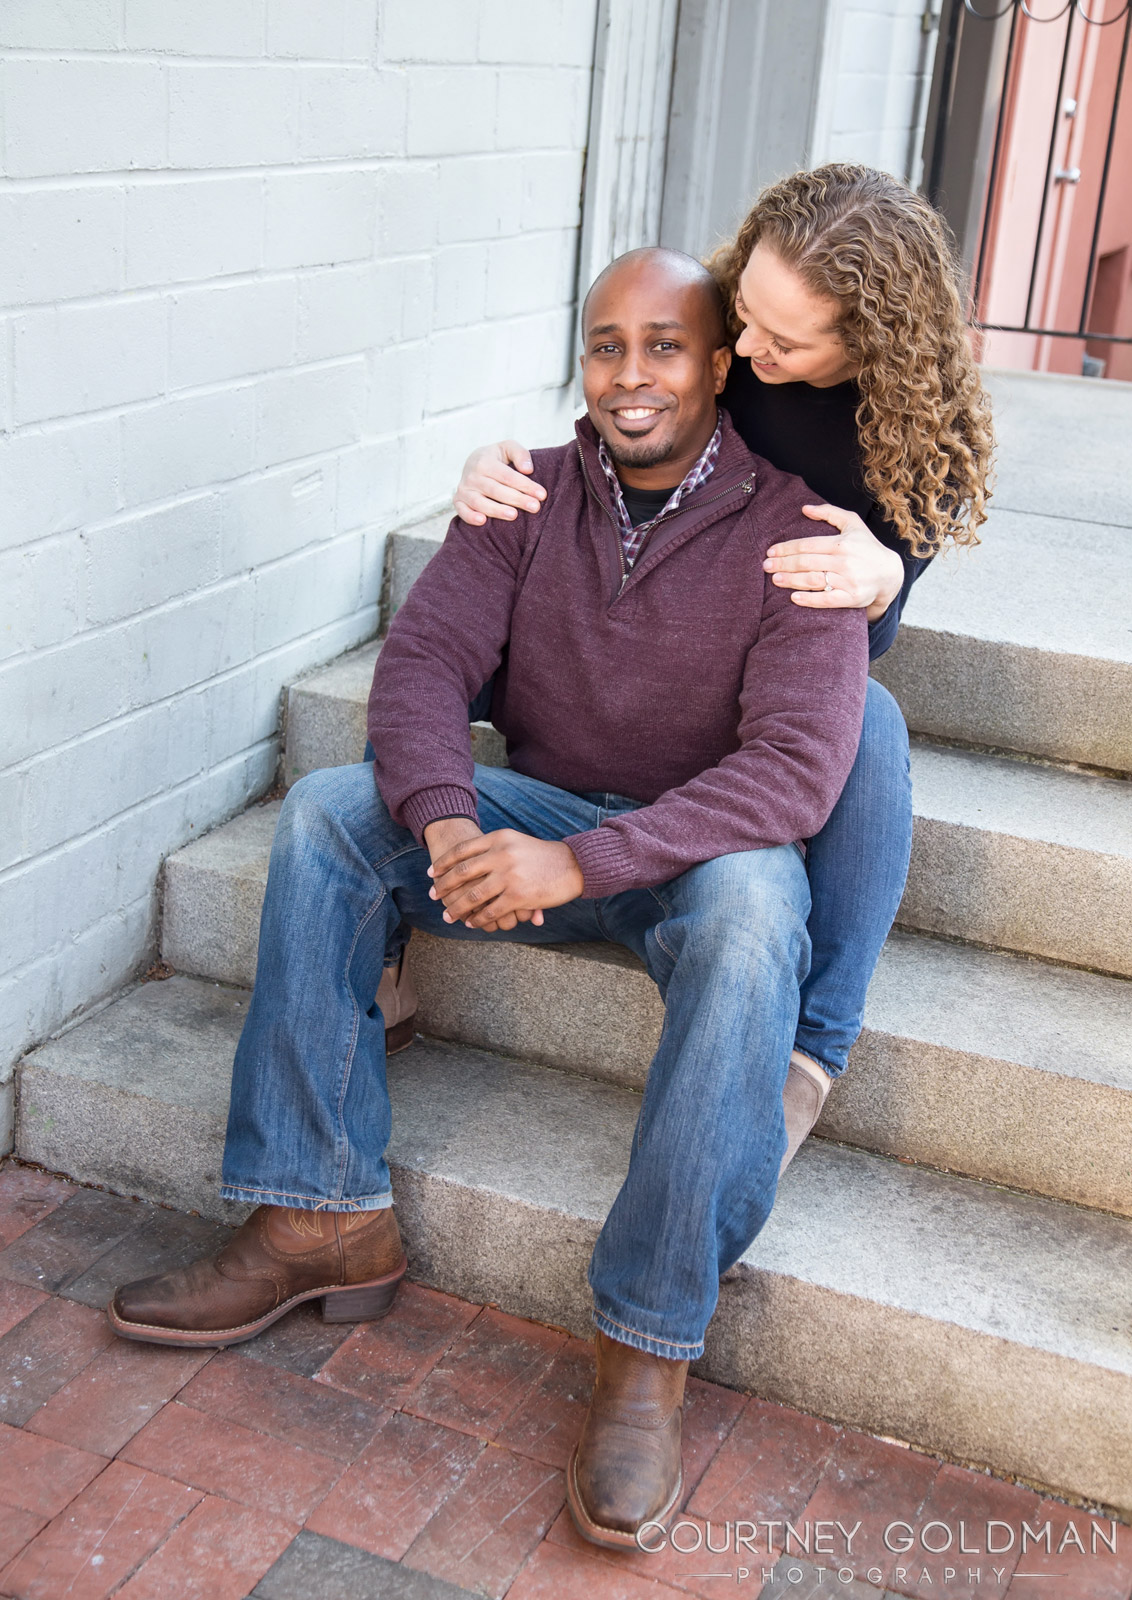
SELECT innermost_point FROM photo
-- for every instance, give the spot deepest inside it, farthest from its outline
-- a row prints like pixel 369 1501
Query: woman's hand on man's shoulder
pixel 496 482
pixel 849 567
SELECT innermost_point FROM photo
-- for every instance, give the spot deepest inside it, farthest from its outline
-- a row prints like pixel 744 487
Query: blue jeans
pixel 857 865
pixel 725 942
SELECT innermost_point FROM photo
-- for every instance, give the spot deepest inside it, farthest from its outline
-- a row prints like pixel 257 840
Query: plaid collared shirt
pixel 633 538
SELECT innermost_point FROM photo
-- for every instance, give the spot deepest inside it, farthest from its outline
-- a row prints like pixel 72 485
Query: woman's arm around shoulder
pixel 496 482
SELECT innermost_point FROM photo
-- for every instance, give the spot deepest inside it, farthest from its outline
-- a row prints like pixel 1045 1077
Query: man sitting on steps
pixel 674 725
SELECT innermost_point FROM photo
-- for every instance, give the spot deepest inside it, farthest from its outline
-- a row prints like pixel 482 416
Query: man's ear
pixel 721 365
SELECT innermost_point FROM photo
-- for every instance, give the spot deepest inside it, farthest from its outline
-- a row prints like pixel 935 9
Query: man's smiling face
pixel 655 358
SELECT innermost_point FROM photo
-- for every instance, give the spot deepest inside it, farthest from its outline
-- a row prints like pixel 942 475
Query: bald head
pixel 655 356
pixel 688 279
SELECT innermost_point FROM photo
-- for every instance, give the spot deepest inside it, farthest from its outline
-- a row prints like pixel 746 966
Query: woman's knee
pixel 883 727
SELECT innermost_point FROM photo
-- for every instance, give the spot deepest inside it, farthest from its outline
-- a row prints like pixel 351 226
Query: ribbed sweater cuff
pixel 433 805
pixel 605 859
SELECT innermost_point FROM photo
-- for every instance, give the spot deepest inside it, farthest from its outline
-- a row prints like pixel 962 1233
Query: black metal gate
pixel 976 60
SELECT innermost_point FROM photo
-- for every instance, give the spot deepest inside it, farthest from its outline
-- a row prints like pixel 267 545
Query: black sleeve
pixel 883 631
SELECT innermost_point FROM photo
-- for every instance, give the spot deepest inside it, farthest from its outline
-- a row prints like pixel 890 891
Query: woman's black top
pixel 813 433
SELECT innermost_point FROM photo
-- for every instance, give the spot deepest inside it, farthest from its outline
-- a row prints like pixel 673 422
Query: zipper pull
pixel 748 485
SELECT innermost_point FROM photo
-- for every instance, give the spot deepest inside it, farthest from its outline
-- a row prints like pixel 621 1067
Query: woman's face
pixel 790 333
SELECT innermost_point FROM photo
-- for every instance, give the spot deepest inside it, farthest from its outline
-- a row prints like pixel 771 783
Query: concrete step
pixel 971 1061
pixel 1064 445
pixel 1008 853
pixel 326 718
pixel 1021 856
pixel 972 1320
pixel 1023 644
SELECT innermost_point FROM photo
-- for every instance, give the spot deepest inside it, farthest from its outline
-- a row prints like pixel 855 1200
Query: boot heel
pixel 363 1304
pixel 400 1035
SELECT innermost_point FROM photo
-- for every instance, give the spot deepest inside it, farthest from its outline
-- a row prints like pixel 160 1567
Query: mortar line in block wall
pixel 175 603
pixel 115 177
pixel 300 275
pixel 203 391
pixel 249 753
pixel 258 58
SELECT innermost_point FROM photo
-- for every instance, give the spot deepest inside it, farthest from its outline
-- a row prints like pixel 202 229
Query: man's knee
pixel 741 907
pixel 329 805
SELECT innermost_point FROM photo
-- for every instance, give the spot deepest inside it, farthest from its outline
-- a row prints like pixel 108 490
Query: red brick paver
pixel 436 1439
pixel 547 1423
pixel 686 1565
pixel 235 1462
pixel 1078 1561
pixel 103 1535
pixel 220 1552
pixel 114 1396
pixel 766 1470
pixel 283 1405
pixel 17 1300
pixel 384 1362
pixel 486 1374
pixel 871 1483
pixel 953 1521
pixel 390 1493
pixel 17 1530
pixel 44 1351
pixel 554 1572
pixel 41 1476
pixel 490 1524
pixel 26 1197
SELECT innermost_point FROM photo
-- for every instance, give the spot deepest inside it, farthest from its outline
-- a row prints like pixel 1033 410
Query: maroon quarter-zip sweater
pixel 692 683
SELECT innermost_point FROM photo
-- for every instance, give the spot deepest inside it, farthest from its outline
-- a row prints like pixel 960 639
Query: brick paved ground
pixel 417 1457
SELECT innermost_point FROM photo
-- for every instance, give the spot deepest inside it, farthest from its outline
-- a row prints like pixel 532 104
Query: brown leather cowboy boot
pixel 353 1260
pixel 626 1469
pixel 803 1096
pixel 397 1002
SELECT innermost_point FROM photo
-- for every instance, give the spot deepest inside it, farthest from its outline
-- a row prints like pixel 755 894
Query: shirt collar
pixel 633 537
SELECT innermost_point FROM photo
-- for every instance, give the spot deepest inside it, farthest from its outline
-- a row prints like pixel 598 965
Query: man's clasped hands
pixel 496 880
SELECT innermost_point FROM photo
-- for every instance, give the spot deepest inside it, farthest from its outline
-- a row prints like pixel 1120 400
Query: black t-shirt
pixel 644 504
pixel 813 433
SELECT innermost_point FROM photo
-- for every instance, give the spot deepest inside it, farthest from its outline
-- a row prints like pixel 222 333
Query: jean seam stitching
pixel 250 1188
pixel 395 855
pixel 675 1344
pixel 348 1065
pixel 671 954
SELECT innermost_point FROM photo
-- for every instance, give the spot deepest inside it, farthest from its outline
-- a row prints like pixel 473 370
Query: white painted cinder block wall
pixel 269 268
pixel 873 89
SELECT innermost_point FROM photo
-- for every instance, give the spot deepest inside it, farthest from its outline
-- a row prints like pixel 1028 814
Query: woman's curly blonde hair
pixel 886 256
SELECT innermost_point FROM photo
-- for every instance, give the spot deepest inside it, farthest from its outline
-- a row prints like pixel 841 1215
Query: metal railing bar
pixel 989 16
pixel 1102 22
pixel 1054 131
pixel 1053 333
pixel 1024 7
pixel 944 109
pixel 1095 244
pixel 996 158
